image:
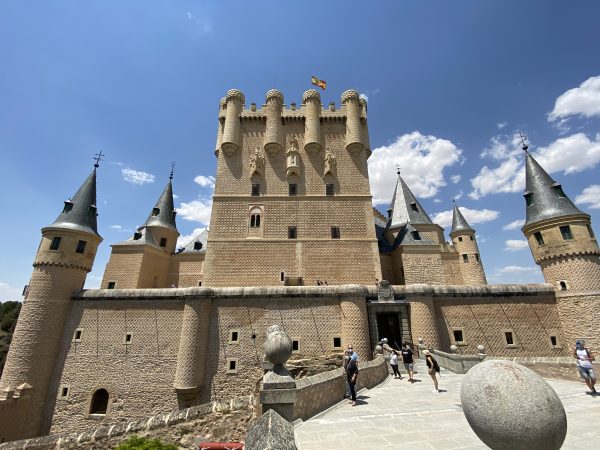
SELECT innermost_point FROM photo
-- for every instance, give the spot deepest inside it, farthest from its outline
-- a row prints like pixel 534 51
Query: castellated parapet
pixel 231 133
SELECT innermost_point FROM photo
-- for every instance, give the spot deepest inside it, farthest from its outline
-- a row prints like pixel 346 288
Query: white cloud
pixel 501 125
pixel 583 101
pixel 196 211
pixel 513 245
pixel 507 177
pixel 175 196
pixel 591 196
pixel 137 176
pixel 422 160
pixel 570 154
pixel 473 216
pixel 437 200
pixel 120 228
pixel 205 181
pixel 9 293
pixel 364 97
pixel 516 269
pixel 503 146
pixel 455 178
pixel 514 225
pixel 459 195
pixel 184 239
pixel 517 274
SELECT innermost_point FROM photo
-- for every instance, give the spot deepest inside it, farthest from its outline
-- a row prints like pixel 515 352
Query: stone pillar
pixel 278 389
pixel 193 342
pixel 423 322
pixel 312 133
pixel 354 143
pixel 274 130
pixel 355 326
pixel 232 132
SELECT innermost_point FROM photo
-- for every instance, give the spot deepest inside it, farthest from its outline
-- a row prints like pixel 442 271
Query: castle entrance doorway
pixel 388 326
pixel 389 320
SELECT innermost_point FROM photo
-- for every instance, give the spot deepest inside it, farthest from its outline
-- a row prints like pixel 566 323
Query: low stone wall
pixel 457 363
pixel 214 421
pixel 319 392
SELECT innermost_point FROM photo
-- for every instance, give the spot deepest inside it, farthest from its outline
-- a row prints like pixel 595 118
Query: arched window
pixel 255 221
pixel 99 402
pixel 563 286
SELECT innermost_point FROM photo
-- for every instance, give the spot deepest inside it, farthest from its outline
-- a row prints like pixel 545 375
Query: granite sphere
pixel 480 349
pixel 278 347
pixel 509 406
pixel 453 348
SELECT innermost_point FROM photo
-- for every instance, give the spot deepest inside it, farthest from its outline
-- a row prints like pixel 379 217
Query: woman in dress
pixel 433 368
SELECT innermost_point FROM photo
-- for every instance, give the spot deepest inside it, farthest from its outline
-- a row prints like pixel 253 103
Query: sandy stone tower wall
pixel 471 267
pixel 292 202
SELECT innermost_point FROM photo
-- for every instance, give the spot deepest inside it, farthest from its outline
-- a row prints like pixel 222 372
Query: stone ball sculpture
pixel 453 348
pixel 480 349
pixel 384 341
pixel 278 345
pixel 379 349
pixel 420 340
pixel 509 406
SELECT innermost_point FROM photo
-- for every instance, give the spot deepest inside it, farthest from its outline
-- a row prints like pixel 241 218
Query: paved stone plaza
pixel 398 415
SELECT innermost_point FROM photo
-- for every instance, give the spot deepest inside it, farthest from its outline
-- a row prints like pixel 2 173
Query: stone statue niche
pixel 293 158
pixel 257 164
pixel 330 164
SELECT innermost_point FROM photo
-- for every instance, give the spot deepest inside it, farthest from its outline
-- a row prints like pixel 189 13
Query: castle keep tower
pixel 463 238
pixel 292 202
pixel 143 260
pixel 562 242
pixel 65 256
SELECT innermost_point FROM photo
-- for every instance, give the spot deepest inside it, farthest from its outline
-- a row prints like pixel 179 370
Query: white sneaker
pixel 436 391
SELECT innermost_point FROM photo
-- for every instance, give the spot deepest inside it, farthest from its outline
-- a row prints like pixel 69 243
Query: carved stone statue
pixel 257 163
pixel 330 164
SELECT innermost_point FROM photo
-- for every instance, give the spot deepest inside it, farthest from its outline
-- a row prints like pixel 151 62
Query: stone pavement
pixel 400 415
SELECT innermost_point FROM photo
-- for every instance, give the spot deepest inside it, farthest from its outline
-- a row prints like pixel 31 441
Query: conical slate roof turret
pixel 544 197
pixel 459 223
pixel 405 208
pixel 80 212
pixel 163 214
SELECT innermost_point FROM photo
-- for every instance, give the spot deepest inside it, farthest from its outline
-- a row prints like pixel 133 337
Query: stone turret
pixel 161 221
pixel 232 136
pixel 562 242
pixel 274 130
pixel 312 136
pixel 354 142
pixel 220 126
pixel 465 243
pixel 64 258
pixel 364 127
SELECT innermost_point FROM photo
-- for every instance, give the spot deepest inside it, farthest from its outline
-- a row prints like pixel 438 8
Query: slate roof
pixel 202 238
pixel 459 223
pixel 142 237
pixel 163 213
pixel 548 199
pixel 405 207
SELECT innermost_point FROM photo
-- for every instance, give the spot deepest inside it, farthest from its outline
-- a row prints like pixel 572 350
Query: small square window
pixel 458 336
pixel 111 285
pixel 562 285
pixel 155 211
pixel 234 336
pixel 460 239
pixel 335 232
pixel 329 189
pixel 281 276
pixel 292 232
pixel 510 339
pixel 232 365
pixel 77 335
pixel 471 238
pixel 337 342
pixel 292 189
pixel 465 258
pixel 553 341
pixel 80 247
pixel 295 346
pixel 55 244
pixel 199 283
pixel 414 207
pixel 63 392
pixel 528 199
pixel 255 189
pixel 163 242
pixel 197 245
pixel 538 238
pixel 566 232
pixel 128 338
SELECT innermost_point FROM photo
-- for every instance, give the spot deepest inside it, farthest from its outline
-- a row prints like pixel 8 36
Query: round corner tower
pixel 562 243
pixel 465 243
pixel 64 258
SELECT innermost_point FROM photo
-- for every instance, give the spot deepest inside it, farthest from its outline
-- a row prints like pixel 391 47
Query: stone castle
pixel 294 240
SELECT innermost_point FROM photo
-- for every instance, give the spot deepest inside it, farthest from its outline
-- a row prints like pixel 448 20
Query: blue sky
pixel 448 85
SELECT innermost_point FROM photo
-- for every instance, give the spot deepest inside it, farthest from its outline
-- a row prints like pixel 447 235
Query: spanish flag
pixel 320 83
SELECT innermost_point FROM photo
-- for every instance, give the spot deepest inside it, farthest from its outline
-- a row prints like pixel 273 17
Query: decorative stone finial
pixel 278 345
pixel 235 94
pixel 311 94
pixel 453 348
pixel 363 102
pixel 481 349
pixel 274 93
pixel 420 340
pixel 223 103
pixel 350 94
pixel 379 350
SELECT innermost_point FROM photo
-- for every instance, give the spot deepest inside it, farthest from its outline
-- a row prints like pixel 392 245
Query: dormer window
pixel 528 199
pixel 155 211
pixel 558 191
pixel 197 245
pixel 415 235
pixel 163 242
pixel 137 236
pixel 55 244
pixel 68 206
pixel 414 207
pixel 565 231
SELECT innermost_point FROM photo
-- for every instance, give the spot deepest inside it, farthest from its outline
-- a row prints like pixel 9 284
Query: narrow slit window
pixel 509 338
pixel 566 232
pixel 55 244
pixel 281 276
pixel 295 346
pixel 292 189
pixel 335 232
pixel 477 257
pixel 415 235
pixel 64 392
pixel 460 239
pixel 80 247
pixel 329 189
pixel 77 335
pixel 128 338
pixel 292 232
pixel 562 285
pixel 538 238
pixel 234 336
pixel 255 189
pixel 163 242
pixel 465 258
pixel 232 365
pixel 553 341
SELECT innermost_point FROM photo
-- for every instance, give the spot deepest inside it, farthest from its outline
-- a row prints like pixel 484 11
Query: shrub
pixel 140 443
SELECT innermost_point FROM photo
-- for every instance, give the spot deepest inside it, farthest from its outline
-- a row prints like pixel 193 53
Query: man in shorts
pixel 584 363
pixel 409 362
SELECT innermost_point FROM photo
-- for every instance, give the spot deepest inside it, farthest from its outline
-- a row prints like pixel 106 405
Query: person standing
pixel 352 374
pixel 433 368
pixel 347 355
pixel 409 362
pixel 584 363
pixel 394 364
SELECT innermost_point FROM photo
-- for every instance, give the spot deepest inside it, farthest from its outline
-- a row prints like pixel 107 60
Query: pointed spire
pixel 544 197
pixel 459 223
pixel 404 207
pixel 163 214
pixel 80 212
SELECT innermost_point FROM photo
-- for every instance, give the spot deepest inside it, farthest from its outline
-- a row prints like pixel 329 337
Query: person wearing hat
pixel 584 363
pixel 433 368
pixel 352 374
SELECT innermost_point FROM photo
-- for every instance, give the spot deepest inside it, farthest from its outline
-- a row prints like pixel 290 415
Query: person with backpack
pixel 584 363
pixel 433 368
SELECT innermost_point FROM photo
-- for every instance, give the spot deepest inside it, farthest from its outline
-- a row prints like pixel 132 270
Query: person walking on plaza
pixel 584 363
pixel 394 364
pixel 409 362
pixel 433 368
pixel 347 355
pixel 352 374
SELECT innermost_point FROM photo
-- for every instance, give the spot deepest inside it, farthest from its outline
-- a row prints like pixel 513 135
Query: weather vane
pixel 523 141
pixel 97 158
pixel 398 169
pixel 172 169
